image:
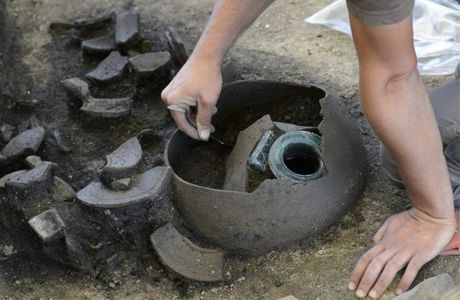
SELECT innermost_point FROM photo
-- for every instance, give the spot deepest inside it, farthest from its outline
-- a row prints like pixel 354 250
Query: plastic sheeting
pixel 436 32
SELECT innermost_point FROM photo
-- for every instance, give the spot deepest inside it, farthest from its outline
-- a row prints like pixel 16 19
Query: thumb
pixel 203 119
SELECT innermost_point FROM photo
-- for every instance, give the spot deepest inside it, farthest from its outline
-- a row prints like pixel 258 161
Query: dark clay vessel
pixel 277 212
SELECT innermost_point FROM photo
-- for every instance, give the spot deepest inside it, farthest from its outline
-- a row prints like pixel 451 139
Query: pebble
pixel 111 68
pixel 62 191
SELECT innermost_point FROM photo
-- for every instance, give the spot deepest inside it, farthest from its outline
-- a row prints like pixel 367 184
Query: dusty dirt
pixel 279 46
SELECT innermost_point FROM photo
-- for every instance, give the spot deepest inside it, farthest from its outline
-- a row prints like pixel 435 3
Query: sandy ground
pixel 279 46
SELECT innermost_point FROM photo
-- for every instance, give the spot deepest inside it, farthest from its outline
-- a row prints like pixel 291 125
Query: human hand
pixel 198 83
pixel 410 238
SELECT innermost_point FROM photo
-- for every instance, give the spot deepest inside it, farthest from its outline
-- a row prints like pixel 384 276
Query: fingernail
pixel 398 292
pixel 360 294
pixel 373 294
pixel 351 286
pixel 204 134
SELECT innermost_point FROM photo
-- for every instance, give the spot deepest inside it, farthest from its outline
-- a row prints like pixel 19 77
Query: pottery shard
pixel 8 177
pixel 32 161
pixel 111 68
pixel 100 45
pixel 236 166
pixel 122 162
pixel 48 225
pixel 24 188
pixel 431 288
pixel 95 21
pixel 24 143
pixel 121 184
pixel 150 185
pixel 106 107
pixel 185 258
pixel 176 47
pixel 62 191
pixel 77 91
pixel 127 28
pixel 148 64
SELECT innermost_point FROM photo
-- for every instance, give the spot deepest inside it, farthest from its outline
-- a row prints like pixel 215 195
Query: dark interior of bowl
pixel 240 105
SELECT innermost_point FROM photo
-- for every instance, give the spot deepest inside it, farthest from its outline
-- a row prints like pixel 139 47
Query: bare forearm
pixel 401 115
pixel 228 20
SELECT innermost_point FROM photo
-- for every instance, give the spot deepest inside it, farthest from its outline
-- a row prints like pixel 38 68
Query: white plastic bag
pixel 436 32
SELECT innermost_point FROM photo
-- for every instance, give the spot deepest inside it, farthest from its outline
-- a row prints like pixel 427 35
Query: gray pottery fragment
pixel 429 289
pixel 123 161
pixel 95 21
pixel 107 108
pixel 111 68
pixel 127 30
pixel 99 46
pixel 278 212
pixel 48 225
pixel 25 143
pixel 176 47
pixel 145 65
pixel 185 258
pixel 7 177
pixel 147 186
pixel 236 167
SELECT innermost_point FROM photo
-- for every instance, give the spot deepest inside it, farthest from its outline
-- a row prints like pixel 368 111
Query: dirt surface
pixel 279 46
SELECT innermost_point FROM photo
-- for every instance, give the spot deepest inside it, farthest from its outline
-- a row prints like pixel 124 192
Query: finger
pixel 380 233
pixel 392 267
pixel 183 125
pixel 362 264
pixel 373 271
pixel 203 119
pixel 412 269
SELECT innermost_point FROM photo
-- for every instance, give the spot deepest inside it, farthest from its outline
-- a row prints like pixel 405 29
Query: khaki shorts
pixel 380 12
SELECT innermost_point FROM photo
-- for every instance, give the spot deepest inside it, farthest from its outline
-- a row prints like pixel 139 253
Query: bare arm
pixel 199 82
pixel 397 107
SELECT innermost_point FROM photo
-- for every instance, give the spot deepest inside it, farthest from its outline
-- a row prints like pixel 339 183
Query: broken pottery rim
pixel 260 188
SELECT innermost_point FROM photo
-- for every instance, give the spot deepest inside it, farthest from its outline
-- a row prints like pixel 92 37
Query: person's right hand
pixel 198 83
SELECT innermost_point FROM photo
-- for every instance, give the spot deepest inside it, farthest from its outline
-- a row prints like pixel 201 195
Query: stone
pixel 176 47
pixel 32 161
pixel 111 68
pixel 48 225
pixel 148 64
pixel 127 31
pixel 57 141
pixel 185 258
pixel 99 46
pixel 121 184
pixel 25 143
pixel 236 166
pixel 7 132
pixel 107 107
pixel 147 186
pixel 431 288
pixel 62 191
pixel 77 91
pixel 7 177
pixel 123 161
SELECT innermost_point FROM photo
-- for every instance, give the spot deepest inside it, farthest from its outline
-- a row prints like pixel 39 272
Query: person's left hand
pixel 410 238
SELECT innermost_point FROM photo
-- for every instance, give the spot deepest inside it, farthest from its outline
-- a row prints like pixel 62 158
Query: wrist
pixel 206 58
pixel 447 219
